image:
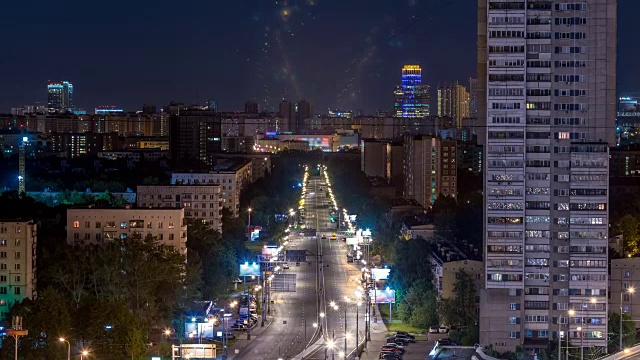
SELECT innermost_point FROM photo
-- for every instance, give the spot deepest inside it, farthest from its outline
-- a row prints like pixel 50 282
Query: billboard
pixel 352 241
pixel 269 251
pixel 248 269
pixel 380 274
pixel 382 296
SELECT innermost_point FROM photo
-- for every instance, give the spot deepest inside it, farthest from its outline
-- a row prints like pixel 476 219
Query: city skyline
pixel 357 71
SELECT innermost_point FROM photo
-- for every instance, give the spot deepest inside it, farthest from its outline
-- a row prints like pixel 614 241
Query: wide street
pixel 327 279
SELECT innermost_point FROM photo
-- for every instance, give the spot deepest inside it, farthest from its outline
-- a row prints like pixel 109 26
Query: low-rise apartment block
pixel 98 226
pixel 202 202
pixel 18 240
pixel 232 179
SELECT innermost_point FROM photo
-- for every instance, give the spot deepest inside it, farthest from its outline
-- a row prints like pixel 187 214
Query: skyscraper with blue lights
pixel 59 96
pixel 412 97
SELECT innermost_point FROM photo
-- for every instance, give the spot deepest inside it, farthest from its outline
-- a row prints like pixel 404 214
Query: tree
pixel 418 305
pixel 460 309
pixel 628 331
pixel 628 226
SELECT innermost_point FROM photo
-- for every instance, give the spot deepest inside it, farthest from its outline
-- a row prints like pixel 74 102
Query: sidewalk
pixel 241 339
pixel 378 338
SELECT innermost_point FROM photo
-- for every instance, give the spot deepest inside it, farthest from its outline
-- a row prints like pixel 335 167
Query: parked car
pixel 404 338
pixel 391 349
pixel 405 334
pixel 390 355
pixel 433 330
pixel 395 346
pixel 399 341
pixel 285 266
pixel 443 329
pixel 445 342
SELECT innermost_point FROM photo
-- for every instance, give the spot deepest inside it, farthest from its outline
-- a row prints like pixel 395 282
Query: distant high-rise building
pixel 453 102
pixel 149 109
pixel 473 98
pixel 211 105
pixel 546 105
pixel 60 96
pixel 251 107
pixel 412 97
pixel 304 111
pixel 288 114
pixel 195 135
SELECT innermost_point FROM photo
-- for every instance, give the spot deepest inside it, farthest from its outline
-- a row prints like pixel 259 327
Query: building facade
pixel 429 168
pixel 473 98
pixel 547 80
pixel 98 226
pixel 18 241
pixel 453 102
pixel 195 135
pixel 625 274
pixel 200 202
pixel 232 182
pixel 412 98
pixel 382 159
pixel 59 97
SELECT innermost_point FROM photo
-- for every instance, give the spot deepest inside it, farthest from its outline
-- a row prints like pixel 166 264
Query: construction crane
pixel 21 166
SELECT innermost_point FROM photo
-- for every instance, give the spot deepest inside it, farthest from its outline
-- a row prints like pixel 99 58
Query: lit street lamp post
pixel 83 354
pixel 630 291
pixel 68 348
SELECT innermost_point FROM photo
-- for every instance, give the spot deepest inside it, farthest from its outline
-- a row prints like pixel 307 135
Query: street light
pixel 83 354
pixel 249 223
pixel 630 290
pixel 68 349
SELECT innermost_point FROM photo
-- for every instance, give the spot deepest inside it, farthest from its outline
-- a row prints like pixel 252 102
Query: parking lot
pixel 413 351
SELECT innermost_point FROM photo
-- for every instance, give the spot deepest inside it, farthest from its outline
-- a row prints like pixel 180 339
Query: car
pixel 391 349
pixel 334 237
pixel 445 342
pixel 390 355
pixel 443 329
pixel 324 237
pixel 403 338
pixel 229 336
pixel 433 330
pixel 395 346
pixel 399 341
pixel 285 266
pixel 405 334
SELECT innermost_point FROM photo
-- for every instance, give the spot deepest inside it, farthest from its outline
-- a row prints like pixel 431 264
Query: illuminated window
pixel 76 224
pixel 563 135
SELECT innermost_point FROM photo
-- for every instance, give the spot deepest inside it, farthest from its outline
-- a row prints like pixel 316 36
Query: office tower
pixel 473 98
pixel 412 97
pixel 60 96
pixel 195 135
pixel 453 102
pixel 149 109
pixel 251 107
pixel 546 86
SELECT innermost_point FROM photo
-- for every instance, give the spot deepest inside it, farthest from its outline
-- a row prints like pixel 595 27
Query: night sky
pixel 343 54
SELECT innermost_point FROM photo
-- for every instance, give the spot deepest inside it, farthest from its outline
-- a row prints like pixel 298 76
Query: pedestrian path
pixel 242 341
pixel 378 338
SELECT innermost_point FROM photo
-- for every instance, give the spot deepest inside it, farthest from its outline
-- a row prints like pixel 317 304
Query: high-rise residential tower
pixel 59 96
pixel 473 98
pixel 412 97
pixel 453 102
pixel 546 93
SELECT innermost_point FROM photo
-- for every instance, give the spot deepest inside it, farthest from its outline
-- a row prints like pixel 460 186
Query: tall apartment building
pixel 232 180
pixel 200 202
pixel 18 240
pixel 453 102
pixel 98 226
pixel 547 80
pixel 473 98
pixel 382 159
pixel 429 168
pixel 195 134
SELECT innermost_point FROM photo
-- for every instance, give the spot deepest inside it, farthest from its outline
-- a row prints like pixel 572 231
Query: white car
pixel 443 330
pixel 285 266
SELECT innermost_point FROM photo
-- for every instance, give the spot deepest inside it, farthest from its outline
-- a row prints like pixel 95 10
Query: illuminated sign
pixel 382 296
pixel 248 269
pixel 380 274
